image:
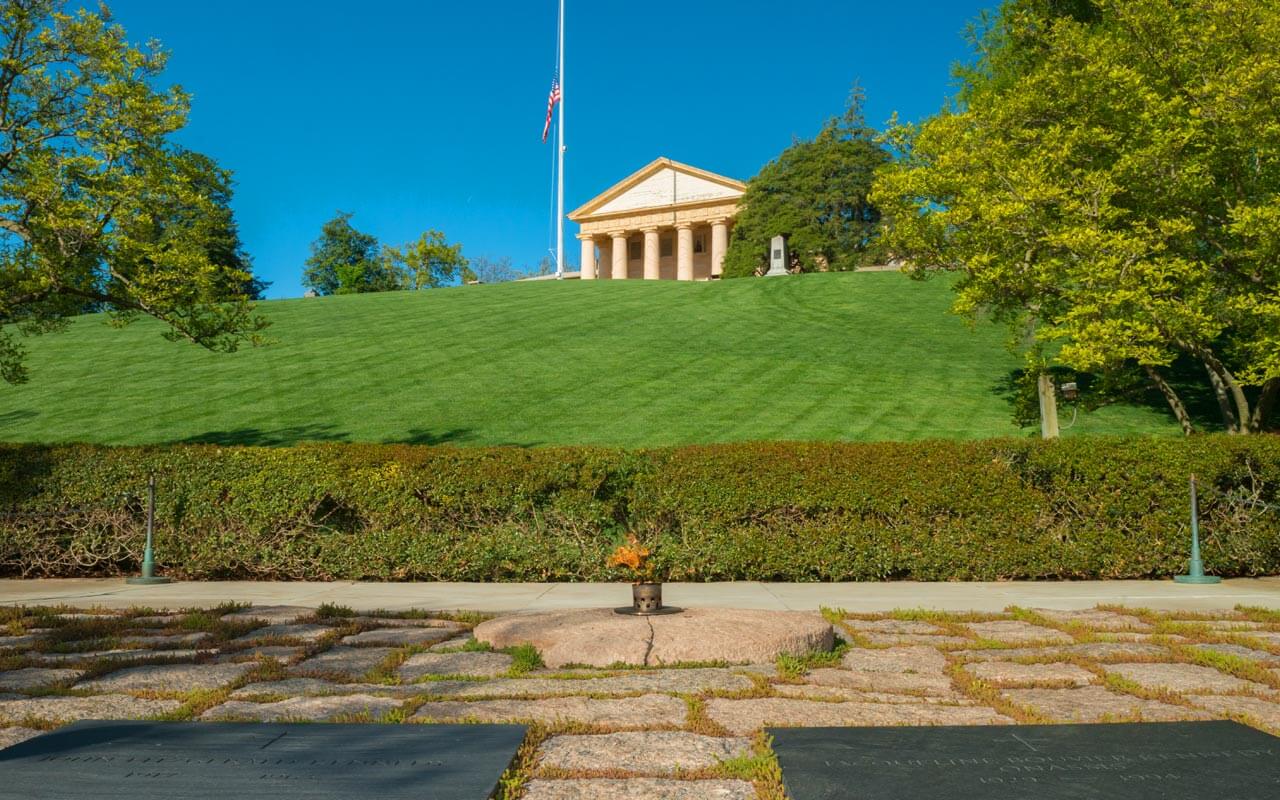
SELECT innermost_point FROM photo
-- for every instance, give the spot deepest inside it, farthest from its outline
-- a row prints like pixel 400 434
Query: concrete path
pixel 514 597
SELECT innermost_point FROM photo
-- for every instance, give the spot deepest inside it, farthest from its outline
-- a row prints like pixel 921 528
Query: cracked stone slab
pixel 1266 712
pixel 16 734
pixel 1007 673
pixel 351 662
pixel 599 637
pixel 682 681
pixel 1097 704
pixel 25 680
pixel 899 660
pixel 303 632
pixel 1095 619
pixel 925 683
pixel 1094 651
pixel 638 789
pixel 747 716
pixel 471 664
pixel 644 752
pixel 1012 631
pixel 168 678
pixel 305 708
pixel 1183 678
pixel 631 712
pixel 398 637
pixel 272 615
pixel 69 709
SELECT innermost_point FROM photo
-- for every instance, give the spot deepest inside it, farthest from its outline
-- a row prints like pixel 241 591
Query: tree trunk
pixel 1175 402
pixel 1262 407
pixel 1229 419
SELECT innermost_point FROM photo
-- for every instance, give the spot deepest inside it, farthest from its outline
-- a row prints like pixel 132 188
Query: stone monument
pixel 779 259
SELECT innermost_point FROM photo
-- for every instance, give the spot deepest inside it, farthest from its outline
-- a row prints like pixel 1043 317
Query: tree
pixel 429 262
pixel 1108 183
pixel 86 170
pixel 815 193
pixel 488 270
pixel 346 261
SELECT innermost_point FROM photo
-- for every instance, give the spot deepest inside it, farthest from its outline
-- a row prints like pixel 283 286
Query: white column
pixel 719 244
pixel 651 253
pixel 588 257
pixel 684 252
pixel 619 256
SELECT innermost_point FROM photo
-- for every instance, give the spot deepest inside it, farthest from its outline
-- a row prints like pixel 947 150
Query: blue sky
pixel 418 114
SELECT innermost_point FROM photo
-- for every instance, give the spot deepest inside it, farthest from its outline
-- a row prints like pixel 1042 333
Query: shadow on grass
pixel 258 437
pixel 20 415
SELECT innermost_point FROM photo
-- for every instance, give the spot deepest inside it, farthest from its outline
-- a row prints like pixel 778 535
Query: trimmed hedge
pixel 1076 508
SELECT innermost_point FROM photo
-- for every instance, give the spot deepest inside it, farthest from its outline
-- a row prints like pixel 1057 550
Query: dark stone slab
pixel 204 761
pixel 1141 761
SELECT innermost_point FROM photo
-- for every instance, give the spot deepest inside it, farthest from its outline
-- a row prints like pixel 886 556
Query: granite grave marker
pixel 203 761
pixel 1138 761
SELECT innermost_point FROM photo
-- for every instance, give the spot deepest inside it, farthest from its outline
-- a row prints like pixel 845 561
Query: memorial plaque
pixel 223 760
pixel 1139 761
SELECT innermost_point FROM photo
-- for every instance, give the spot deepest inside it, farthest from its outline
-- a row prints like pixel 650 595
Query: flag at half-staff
pixel 552 99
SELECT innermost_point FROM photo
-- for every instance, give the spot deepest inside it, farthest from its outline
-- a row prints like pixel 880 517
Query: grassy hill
pixel 863 356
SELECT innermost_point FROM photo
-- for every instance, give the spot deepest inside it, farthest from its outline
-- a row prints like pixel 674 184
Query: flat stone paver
pixel 1231 624
pixel 683 681
pixel 287 654
pixel 631 712
pixel 298 687
pixel 639 789
pixel 1094 651
pixel 272 615
pixel 25 680
pixel 452 644
pixel 1096 619
pixel 1271 638
pixel 404 622
pixel 16 734
pixel 1264 711
pixel 166 641
pixel 917 659
pixel 833 693
pixel 116 655
pixel 350 662
pixel 1012 631
pixel 745 716
pixel 398 637
pixel 642 752
pixel 1097 704
pixel 168 678
pixel 471 664
pixel 1183 678
pixel 301 632
pixel 897 626
pixel 69 709
pixel 305 708
pixel 18 642
pixel 1006 673
pixel 1240 651
pixel 927 683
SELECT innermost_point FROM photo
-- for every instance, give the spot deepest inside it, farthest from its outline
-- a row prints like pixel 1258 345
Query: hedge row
pixel 1077 508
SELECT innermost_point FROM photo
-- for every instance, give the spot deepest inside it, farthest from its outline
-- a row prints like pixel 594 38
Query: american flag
pixel 552 99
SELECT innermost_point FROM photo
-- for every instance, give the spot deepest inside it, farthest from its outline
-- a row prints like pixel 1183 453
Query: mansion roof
pixel 661 185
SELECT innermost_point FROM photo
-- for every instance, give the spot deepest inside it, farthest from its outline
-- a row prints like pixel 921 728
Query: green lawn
pixel 864 356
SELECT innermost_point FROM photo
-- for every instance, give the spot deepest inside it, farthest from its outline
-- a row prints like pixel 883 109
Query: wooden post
pixel 1048 406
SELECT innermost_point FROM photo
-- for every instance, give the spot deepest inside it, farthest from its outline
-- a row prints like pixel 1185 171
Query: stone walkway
pixel 675 732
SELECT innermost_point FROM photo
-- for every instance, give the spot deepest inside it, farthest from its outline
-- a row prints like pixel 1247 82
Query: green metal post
pixel 1195 570
pixel 148 554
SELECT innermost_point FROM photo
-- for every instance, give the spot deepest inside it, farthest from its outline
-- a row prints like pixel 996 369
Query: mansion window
pixel 635 250
pixel 699 243
pixel 664 248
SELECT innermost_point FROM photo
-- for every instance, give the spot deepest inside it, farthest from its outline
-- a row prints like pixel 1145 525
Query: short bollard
pixel 1195 570
pixel 148 575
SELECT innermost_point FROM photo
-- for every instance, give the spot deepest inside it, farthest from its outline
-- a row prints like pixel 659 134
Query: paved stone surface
pixel 1183 678
pixel 1096 704
pixel 914 638
pixel 1240 651
pixel 924 683
pixel 632 712
pixel 1095 619
pixel 272 615
pixel 1271 638
pixel 896 626
pixel 301 632
pixel 895 660
pixel 305 708
pixel 18 642
pixel 639 789
pixel 297 687
pixel 25 680
pixel 167 642
pixel 599 637
pixel 1094 651
pixel 745 716
pixel 641 752
pixel 155 620
pixel 833 693
pixel 1232 624
pixel 68 709
pixel 452 644
pixel 684 681
pixel 116 655
pixel 11 736
pixel 404 622
pixel 350 662
pixel 398 637
pixel 473 664
pixel 1005 673
pixel 283 653
pixel 1012 631
pixel 1266 712
pixel 168 678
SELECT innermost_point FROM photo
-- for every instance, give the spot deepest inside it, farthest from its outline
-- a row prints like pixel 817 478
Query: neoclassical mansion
pixel 669 221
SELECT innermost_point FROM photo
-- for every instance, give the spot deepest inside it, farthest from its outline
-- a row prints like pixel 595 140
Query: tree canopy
pixel 429 262
pixel 346 261
pixel 815 193
pixel 98 208
pixel 1108 182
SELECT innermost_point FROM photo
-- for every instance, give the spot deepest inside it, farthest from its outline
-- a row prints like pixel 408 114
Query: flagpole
pixel 560 170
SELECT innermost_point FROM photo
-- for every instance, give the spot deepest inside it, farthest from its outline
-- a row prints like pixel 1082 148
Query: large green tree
pixel 98 208
pixel 815 194
pixel 347 261
pixel 1108 182
pixel 429 262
